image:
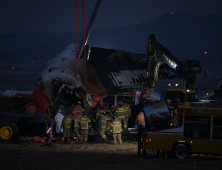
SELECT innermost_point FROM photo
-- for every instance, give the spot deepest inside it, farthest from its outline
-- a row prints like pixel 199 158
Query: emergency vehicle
pixel 198 130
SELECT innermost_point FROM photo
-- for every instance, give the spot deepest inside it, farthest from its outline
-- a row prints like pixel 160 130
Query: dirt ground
pixel 67 155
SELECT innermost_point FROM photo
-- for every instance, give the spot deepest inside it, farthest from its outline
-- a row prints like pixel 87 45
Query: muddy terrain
pixel 93 155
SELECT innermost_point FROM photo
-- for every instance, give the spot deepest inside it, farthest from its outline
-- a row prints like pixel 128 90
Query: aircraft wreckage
pixel 102 72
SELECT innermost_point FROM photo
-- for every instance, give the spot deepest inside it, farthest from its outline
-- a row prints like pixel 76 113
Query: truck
pixel 198 131
pixel 12 126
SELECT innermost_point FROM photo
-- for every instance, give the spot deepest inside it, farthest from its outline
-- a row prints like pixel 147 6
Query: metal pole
pixel 88 29
pixel 76 37
pixel 205 74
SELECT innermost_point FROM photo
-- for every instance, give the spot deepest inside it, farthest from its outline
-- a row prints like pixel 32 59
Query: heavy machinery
pixel 199 131
pixel 159 54
pixel 104 72
pixel 14 125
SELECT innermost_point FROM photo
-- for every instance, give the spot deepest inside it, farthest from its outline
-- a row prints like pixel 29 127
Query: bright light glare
pixel 169 84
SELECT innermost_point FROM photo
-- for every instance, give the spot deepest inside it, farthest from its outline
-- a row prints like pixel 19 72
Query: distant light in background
pixel 169 84
pixel 171 12
pixel 137 92
pixel 0 50
pixel 205 52
pixel 32 61
pixel 177 84
pixel 13 68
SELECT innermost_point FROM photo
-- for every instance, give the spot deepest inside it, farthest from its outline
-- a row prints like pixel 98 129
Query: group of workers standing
pixel 74 122
pixel 104 119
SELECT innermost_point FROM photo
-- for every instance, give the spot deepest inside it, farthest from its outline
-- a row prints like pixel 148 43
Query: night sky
pixel 58 16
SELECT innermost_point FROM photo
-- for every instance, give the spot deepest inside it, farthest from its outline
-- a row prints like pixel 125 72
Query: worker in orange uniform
pixel 102 127
pixel 116 129
pixel 67 124
pixel 128 112
pixel 140 119
pixel 78 109
pixel 121 114
pixel 76 124
pixel 85 125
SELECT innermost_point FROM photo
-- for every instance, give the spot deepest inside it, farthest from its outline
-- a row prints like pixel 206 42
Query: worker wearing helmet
pixel 108 116
pixel 121 114
pixel 100 107
pixel 67 124
pixel 76 122
pixel 113 109
pixel 102 127
pixel 97 116
pixel 116 129
pixel 128 112
pixel 78 109
pixel 85 125
pixel 140 119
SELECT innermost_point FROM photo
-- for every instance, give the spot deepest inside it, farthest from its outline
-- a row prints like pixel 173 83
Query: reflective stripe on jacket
pixel 76 120
pixel 102 122
pixel 116 126
pixel 140 119
pixel 120 112
pixel 78 110
pixel 85 122
pixel 128 109
pixel 67 121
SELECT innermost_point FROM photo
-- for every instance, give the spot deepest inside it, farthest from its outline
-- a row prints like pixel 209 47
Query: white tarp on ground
pixel 11 93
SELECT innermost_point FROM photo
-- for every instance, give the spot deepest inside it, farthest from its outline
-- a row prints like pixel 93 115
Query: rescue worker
pixel 58 121
pixel 116 129
pixel 67 124
pixel 121 114
pixel 102 127
pixel 128 112
pixel 100 107
pixel 140 119
pixel 140 122
pixel 85 125
pixel 113 109
pixel 108 115
pixel 76 122
pixel 97 117
pixel 78 109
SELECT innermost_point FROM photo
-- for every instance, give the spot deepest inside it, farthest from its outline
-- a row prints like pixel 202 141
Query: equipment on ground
pixel 14 125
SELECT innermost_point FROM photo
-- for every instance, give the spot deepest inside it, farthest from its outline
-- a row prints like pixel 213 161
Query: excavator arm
pixel 158 54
